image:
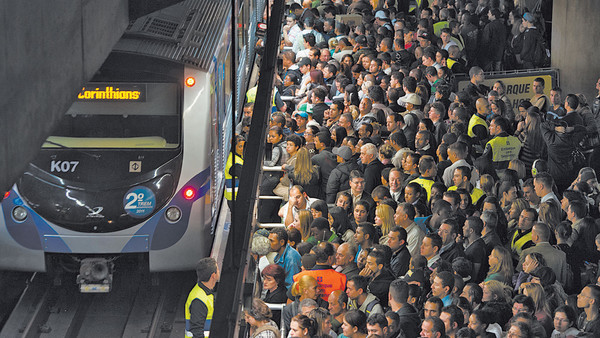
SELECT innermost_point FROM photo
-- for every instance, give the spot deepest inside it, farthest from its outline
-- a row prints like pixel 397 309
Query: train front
pixel 104 185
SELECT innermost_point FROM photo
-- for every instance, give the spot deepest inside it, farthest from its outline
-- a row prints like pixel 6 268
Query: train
pixel 135 168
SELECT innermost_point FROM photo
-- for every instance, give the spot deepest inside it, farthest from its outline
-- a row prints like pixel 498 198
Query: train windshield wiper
pixel 95 156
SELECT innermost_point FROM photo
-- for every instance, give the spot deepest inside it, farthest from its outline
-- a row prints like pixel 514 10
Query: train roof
pixel 189 32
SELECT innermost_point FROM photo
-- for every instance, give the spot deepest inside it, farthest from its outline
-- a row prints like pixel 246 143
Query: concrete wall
pixel 575 50
pixel 48 49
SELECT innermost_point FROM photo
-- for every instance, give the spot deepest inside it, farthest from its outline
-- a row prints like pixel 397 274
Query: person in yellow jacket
pixel 461 179
pixel 502 148
pixel 234 168
pixel 521 239
pixel 200 303
pixel 478 128
pixel 428 171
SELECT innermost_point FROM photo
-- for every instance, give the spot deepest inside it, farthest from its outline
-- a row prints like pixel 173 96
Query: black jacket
pixel 560 146
pixel 380 286
pixel 400 261
pixel 372 175
pixel 339 180
pixel 327 161
pixel 409 321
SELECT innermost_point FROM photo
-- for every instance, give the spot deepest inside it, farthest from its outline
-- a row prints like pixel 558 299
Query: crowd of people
pixel 411 208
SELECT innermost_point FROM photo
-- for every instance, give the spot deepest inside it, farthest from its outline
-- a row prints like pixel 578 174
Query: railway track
pixel 139 305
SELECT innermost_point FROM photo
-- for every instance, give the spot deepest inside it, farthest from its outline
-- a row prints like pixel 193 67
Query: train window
pixel 150 119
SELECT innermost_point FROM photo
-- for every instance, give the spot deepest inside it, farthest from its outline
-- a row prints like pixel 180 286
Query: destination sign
pixel 116 92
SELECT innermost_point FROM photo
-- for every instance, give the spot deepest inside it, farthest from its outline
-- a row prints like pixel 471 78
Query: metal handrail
pixel 271 225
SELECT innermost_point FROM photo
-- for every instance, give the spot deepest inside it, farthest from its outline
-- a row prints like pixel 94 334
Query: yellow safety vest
pixel 517 246
pixel 505 148
pixel 426 183
pixel 475 194
pixel 450 63
pixel 208 300
pixel 438 26
pixel 231 186
pixel 475 120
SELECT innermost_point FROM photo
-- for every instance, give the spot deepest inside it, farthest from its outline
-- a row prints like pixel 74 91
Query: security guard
pixel 478 128
pixel 232 168
pixel 461 180
pixel 428 170
pixel 522 237
pixel 200 303
pixel 503 148
pixel 327 278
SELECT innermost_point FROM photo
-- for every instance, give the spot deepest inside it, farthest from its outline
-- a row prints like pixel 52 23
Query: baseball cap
pixel 381 15
pixel 411 98
pixel 302 114
pixel 587 173
pixel 343 152
pixel 423 35
pixel 304 62
pixel 529 17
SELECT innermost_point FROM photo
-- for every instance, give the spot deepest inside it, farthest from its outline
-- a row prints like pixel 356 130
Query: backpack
pixel 541 54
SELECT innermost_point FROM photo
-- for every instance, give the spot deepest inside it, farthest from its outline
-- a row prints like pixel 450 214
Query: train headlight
pixel 190 81
pixel 19 214
pixel 173 214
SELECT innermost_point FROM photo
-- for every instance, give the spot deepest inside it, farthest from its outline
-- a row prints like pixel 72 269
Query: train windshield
pixel 123 116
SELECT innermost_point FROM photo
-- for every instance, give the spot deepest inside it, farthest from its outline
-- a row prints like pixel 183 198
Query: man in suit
pixel 555 258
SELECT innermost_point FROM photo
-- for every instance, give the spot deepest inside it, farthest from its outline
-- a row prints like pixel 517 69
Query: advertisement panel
pixel 519 84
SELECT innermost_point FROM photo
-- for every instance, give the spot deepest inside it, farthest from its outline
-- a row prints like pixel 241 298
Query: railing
pixel 271 197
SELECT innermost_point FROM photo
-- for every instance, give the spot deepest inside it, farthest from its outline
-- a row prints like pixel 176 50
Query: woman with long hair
pixel 305 288
pixel 337 135
pixel 501 268
pixel 542 310
pixel 305 174
pixel 495 291
pixel 322 319
pixel 340 223
pixel 500 88
pixel 351 97
pixel 302 327
pixel 355 324
pixel 533 144
pixel 302 223
pixel 343 199
pixel 487 183
pixel 550 214
pixel 319 209
pixel 514 212
pixel 533 261
pixel 259 319
pixel 384 220
pixel 315 80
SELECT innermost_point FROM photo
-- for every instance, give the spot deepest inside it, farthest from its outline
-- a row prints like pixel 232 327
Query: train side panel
pixel 195 243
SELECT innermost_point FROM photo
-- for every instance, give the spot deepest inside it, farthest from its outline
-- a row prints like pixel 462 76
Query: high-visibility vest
pixel 426 183
pixel 475 120
pixel 231 186
pixel 328 280
pixel 475 194
pixel 450 63
pixel 208 300
pixel 505 148
pixel 517 246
